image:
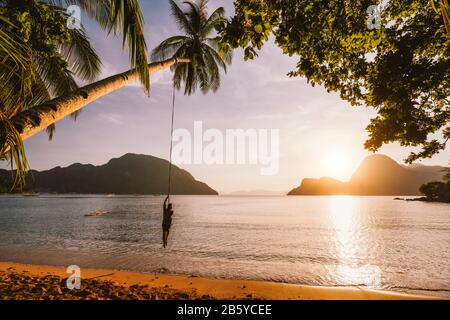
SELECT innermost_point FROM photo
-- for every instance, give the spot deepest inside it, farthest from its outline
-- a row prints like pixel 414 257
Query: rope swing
pixel 168 212
pixel 171 141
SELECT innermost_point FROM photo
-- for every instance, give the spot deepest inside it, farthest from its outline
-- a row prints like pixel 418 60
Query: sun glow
pixel 338 164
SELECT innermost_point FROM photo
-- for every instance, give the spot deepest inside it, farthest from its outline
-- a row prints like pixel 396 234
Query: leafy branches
pixel 401 70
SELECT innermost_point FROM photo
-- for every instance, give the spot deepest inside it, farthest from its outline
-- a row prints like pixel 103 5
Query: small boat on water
pixel 97 213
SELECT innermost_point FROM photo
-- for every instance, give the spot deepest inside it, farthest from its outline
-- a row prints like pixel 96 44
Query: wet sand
pixel 30 282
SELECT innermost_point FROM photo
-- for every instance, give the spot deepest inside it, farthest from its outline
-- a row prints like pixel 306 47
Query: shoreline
pixel 27 281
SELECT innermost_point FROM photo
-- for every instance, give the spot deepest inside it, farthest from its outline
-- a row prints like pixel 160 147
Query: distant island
pixel 129 174
pixel 377 175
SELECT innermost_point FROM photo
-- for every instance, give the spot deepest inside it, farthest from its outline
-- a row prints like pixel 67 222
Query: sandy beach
pixel 30 282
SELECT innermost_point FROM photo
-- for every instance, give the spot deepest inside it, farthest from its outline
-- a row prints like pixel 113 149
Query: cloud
pixel 112 117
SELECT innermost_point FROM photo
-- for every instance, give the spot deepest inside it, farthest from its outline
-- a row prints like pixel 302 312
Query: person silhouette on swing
pixel 167 220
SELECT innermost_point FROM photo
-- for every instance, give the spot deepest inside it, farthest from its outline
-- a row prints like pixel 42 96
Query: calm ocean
pixel 372 242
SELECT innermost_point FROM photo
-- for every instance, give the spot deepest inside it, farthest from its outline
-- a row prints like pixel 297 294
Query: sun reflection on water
pixel 349 250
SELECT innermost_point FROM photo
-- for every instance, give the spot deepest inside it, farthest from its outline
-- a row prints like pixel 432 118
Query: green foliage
pixel 436 191
pixel 197 44
pixel 119 17
pixel 401 70
pixel 10 138
pixel 40 57
pixel 55 55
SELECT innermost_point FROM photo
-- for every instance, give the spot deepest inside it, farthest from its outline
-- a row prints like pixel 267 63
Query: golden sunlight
pixel 348 248
pixel 338 164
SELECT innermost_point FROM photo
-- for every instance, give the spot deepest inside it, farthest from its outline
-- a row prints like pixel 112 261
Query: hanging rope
pixel 171 142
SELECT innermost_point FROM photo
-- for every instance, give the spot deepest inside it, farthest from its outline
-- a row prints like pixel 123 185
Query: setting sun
pixel 337 164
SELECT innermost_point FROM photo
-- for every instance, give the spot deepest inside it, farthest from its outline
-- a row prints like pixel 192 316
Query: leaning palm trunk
pixel 38 118
pixel 443 7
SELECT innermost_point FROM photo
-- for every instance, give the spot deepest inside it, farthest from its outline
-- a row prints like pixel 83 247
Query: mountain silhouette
pixel 129 174
pixel 376 175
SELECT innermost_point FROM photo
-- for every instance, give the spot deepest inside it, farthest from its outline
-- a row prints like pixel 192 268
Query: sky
pixel 320 134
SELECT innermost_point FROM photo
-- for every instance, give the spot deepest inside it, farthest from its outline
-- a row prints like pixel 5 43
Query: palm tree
pixel 59 51
pixel 197 44
pixel 36 119
pixel 54 64
pixel 196 59
pixel 119 16
pixel 40 57
pixel 15 58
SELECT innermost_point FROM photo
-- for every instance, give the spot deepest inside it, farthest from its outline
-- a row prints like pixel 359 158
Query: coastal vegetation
pixel 437 191
pixel 395 60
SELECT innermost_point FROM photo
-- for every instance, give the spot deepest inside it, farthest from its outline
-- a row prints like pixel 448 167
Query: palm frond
pixel 168 47
pixel 11 45
pixel 213 61
pixel 80 56
pixel 12 149
pixel 226 55
pixel 125 17
pixel 51 131
pixel 215 20
pixel 15 73
pixel 55 74
pixel 181 19
pixel 194 16
pixel 128 15
pixel 38 94
pixel 222 60
pixel 14 88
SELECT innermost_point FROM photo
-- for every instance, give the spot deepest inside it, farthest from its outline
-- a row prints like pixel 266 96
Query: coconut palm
pixel 15 58
pixel 40 57
pixel 43 25
pixel 198 44
pixel 198 47
pixel 198 50
pixel 119 16
pixel 53 64
pixel 37 118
